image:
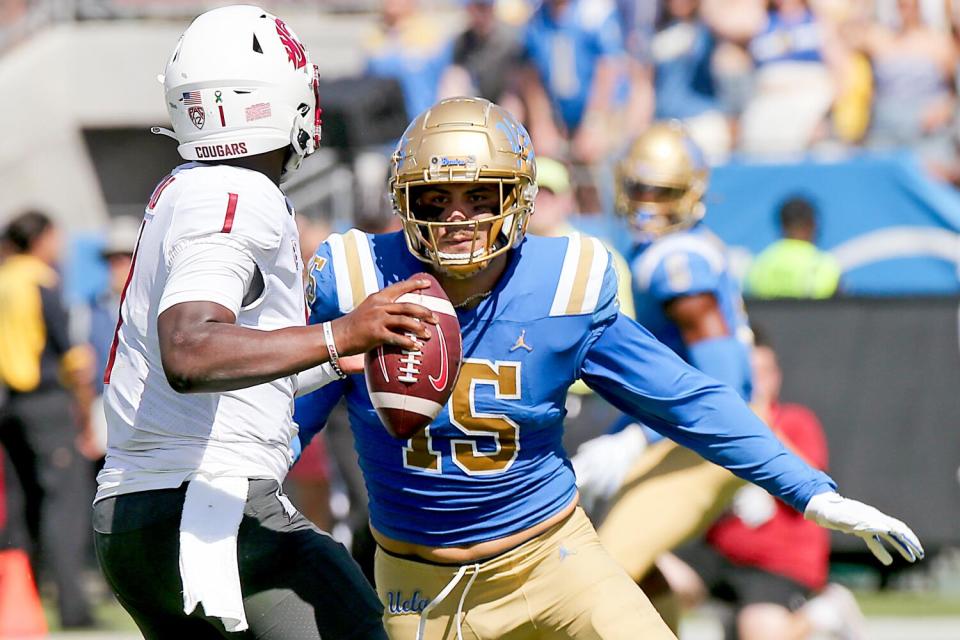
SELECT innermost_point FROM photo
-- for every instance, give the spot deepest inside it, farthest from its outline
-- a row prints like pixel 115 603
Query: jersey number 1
pixel 504 377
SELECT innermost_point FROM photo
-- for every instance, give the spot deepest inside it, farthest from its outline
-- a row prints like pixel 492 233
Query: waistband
pixel 526 550
pixel 139 509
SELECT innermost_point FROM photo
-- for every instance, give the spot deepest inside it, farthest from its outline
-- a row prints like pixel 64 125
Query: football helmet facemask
pixel 240 83
pixel 660 181
pixel 464 140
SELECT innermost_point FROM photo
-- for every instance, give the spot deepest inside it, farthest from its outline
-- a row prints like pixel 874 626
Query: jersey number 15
pixel 504 377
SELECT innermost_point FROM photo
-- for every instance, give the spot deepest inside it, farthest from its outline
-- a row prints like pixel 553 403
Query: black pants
pixel 38 432
pixel 297 582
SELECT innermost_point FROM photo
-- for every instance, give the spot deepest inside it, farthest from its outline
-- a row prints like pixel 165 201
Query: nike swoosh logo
pixel 440 382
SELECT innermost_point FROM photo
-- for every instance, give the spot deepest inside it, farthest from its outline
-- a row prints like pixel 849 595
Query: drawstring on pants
pixel 450 586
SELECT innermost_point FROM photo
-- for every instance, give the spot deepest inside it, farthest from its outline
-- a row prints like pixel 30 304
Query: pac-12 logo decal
pixel 295 51
pixel 197 116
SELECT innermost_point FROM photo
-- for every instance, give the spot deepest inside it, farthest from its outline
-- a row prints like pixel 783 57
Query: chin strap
pixel 161 131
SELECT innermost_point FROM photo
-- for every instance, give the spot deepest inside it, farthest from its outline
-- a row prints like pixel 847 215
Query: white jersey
pixel 238 221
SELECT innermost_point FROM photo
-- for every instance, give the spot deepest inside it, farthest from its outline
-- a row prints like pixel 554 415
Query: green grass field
pixel 874 603
pixel 908 604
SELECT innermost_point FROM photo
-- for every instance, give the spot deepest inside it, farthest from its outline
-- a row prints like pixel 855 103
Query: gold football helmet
pixel 465 140
pixel 661 180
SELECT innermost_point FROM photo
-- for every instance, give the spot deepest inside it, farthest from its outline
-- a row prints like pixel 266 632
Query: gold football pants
pixel 669 496
pixel 560 585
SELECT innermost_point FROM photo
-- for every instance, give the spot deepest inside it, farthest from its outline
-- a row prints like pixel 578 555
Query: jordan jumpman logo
pixel 521 343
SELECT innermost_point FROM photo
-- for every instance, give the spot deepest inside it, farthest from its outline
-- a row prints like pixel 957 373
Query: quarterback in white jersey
pixel 192 530
pixel 211 233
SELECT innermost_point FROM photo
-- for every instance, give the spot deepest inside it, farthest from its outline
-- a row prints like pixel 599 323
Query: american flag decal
pixel 192 98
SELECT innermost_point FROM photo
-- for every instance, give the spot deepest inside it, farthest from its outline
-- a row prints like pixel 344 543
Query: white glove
pixel 753 505
pixel 602 463
pixel 833 511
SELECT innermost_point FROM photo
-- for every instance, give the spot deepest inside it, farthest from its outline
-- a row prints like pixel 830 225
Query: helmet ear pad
pixel 307 120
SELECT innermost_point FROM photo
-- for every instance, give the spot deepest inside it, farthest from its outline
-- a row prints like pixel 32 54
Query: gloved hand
pixel 753 505
pixel 602 463
pixel 833 511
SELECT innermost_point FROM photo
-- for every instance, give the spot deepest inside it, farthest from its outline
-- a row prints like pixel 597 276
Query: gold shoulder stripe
pixel 579 289
pixel 581 277
pixel 354 268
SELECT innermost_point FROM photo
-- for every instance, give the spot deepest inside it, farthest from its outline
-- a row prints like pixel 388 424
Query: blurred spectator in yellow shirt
pixel 39 422
pixel 794 267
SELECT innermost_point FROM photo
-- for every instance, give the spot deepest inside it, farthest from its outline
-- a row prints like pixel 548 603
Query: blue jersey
pixel 683 78
pixel 491 464
pixel 797 39
pixel 685 264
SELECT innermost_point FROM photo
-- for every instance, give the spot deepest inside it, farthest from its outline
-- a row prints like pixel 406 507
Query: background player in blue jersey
pixel 686 296
pixel 476 518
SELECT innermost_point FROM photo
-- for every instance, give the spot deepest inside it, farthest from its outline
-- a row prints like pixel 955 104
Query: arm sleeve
pixel 315 378
pixel 629 368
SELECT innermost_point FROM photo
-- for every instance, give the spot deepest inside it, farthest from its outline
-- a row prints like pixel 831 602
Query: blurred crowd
pixel 757 77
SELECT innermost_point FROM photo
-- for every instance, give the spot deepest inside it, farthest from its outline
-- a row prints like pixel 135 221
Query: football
pixel 409 388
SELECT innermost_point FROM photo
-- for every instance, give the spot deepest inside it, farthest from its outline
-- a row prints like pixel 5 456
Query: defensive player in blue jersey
pixel 686 297
pixel 476 518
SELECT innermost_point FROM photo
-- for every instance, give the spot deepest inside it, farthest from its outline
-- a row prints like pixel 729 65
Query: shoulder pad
pixel 353 267
pixel 646 264
pixel 240 211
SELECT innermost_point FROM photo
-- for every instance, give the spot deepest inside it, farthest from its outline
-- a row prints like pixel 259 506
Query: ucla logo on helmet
pixel 518 139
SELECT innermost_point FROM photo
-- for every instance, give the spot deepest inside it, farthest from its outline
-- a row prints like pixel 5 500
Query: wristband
pixel 332 350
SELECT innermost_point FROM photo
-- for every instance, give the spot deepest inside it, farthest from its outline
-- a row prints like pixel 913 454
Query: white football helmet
pixel 240 83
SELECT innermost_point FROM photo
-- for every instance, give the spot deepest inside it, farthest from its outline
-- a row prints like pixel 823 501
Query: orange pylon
pixel 21 615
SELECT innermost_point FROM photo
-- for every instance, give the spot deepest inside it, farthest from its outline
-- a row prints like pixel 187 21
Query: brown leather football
pixel 409 388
